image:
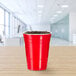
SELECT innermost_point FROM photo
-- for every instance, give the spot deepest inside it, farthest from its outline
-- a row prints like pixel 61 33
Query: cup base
pixel 36 69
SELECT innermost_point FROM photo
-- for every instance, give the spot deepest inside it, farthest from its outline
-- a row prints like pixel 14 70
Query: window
pixel 1 16
pixel 19 26
pixel 15 25
pixel 24 27
pixel 1 23
pixel 7 27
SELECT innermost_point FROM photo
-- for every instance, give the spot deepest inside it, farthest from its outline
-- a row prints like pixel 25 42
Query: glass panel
pixel 19 27
pixel 24 27
pixel 15 31
pixel 7 24
pixel 15 25
pixel 15 22
pixel 1 16
pixel 1 25
pixel 6 19
pixel 1 29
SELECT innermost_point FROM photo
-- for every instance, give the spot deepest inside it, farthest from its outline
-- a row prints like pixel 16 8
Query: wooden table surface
pixel 62 62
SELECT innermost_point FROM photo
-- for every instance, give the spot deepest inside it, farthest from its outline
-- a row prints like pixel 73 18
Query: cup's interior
pixel 37 32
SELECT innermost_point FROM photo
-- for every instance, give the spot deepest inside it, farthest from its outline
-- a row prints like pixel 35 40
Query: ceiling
pixel 39 11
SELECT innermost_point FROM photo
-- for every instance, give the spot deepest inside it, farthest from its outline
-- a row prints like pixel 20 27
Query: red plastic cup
pixel 37 48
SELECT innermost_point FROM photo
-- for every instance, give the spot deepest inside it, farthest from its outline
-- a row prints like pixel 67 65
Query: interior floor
pixel 60 42
pixel 53 42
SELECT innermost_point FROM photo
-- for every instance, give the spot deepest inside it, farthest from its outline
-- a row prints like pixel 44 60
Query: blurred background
pixel 55 16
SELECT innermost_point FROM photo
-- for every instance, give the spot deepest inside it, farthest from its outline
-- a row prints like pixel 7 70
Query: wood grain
pixel 62 62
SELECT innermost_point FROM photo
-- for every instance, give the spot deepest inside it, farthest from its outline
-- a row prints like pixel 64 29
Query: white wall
pixel 72 25
pixel 41 27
